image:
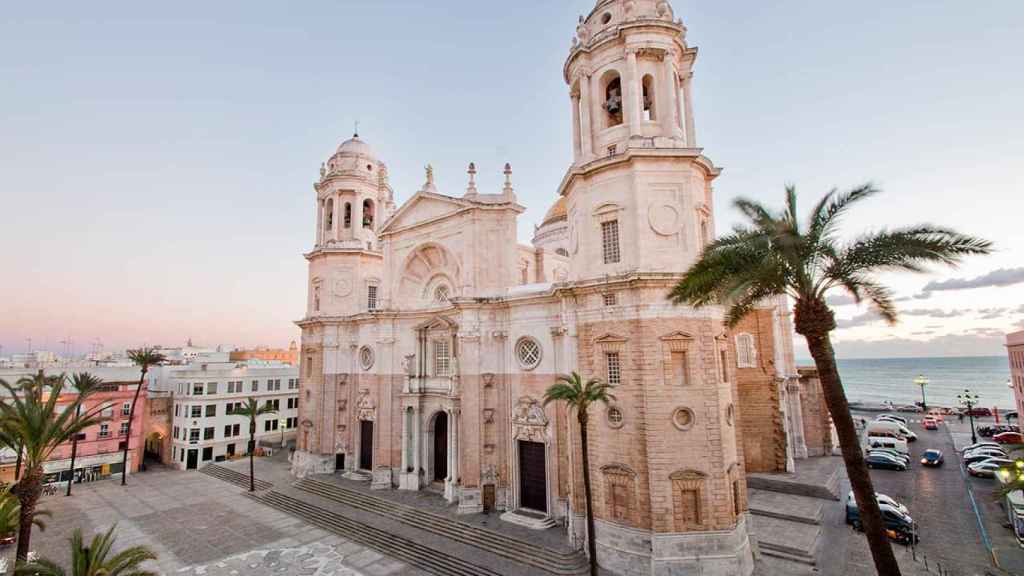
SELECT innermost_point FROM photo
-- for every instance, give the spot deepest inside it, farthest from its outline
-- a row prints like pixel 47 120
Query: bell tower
pixel 639 190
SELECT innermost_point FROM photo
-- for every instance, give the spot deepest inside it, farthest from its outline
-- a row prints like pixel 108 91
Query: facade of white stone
pixel 431 334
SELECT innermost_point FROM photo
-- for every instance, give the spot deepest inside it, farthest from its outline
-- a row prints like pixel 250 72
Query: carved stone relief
pixel 529 421
pixel 366 406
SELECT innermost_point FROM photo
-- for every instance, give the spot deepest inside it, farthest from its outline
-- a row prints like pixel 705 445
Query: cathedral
pixel 431 333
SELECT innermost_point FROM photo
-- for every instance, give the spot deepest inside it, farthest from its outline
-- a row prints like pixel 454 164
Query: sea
pixel 878 380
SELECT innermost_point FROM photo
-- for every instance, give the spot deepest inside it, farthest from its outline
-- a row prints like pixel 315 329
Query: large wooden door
pixel 440 447
pixel 366 445
pixel 532 476
pixel 193 459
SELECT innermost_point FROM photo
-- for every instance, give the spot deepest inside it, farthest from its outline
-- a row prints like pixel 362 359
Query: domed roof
pixel 557 212
pixel 355 147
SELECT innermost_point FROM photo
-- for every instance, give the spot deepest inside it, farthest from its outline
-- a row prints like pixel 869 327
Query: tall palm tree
pixel 10 515
pixel 775 254
pixel 579 396
pixel 15 443
pixel 94 559
pixel 87 385
pixel 251 409
pixel 29 413
pixel 143 358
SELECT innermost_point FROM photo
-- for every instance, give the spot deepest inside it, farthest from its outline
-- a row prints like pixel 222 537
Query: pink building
pixel 1015 349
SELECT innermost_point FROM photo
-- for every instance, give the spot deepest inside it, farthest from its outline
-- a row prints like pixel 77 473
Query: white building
pixel 205 395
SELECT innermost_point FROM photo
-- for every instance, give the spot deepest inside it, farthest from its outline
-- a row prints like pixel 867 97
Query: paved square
pixel 198 525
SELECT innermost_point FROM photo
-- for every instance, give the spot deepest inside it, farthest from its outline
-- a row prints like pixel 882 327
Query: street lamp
pixel 922 382
pixel 969 400
pixel 1013 398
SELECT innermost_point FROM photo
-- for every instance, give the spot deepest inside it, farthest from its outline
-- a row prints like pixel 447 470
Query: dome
pixel 557 211
pixel 355 147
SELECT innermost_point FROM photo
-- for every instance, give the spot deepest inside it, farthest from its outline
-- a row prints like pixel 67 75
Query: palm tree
pixel 94 559
pixel 143 358
pixel 775 254
pixel 10 515
pixel 579 396
pixel 87 385
pixel 29 414
pixel 252 410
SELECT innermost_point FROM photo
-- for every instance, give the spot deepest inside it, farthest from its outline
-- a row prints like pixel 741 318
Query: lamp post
pixel 969 400
pixel 1013 398
pixel 922 382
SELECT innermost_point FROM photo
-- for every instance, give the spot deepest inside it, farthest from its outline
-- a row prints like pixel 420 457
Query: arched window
pixel 648 91
pixel 367 214
pixel 562 252
pixel 746 351
pixel 613 100
pixel 329 215
pixel 348 214
pixel 441 295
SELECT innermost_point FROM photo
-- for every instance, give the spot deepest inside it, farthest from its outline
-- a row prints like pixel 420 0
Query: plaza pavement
pixel 198 525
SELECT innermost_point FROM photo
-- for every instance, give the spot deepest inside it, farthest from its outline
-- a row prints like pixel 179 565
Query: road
pixel 939 502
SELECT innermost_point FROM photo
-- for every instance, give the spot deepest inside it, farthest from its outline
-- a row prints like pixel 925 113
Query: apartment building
pixel 203 425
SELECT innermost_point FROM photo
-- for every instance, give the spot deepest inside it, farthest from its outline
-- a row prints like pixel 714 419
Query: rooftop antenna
pixel 356 134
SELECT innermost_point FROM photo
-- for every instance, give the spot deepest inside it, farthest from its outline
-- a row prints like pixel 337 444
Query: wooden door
pixel 440 447
pixel 532 476
pixel 366 444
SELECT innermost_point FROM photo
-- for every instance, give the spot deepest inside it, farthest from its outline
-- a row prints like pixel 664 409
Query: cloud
pixel 946 345
pixel 1019 324
pixel 923 333
pixel 934 312
pixel 1000 277
pixel 994 332
pixel 840 300
pixel 869 317
pixel 992 313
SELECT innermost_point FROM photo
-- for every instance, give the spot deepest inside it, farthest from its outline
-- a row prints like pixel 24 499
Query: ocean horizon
pixel 876 380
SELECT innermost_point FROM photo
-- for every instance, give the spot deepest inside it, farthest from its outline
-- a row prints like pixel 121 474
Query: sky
pixel 158 158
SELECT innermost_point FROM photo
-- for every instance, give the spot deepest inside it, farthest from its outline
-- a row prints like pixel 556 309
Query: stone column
pixel 691 134
pixel 667 117
pixel 586 124
pixel 454 433
pixel 576 141
pixel 416 445
pixel 451 446
pixel 634 94
pixel 319 222
pixel 338 224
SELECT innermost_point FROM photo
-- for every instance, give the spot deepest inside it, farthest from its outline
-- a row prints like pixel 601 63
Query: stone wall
pixel 817 421
pixel 760 418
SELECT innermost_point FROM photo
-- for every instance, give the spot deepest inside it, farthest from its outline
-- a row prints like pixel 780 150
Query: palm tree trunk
pixel 17 465
pixel 252 455
pixel 29 489
pixel 591 536
pixel 74 452
pixel 820 346
pixel 128 440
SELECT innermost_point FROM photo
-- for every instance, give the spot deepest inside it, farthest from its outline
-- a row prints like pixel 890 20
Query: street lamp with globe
pixel 922 382
pixel 969 400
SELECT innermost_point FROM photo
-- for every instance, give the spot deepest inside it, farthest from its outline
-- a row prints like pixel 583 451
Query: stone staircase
pixel 412 553
pixel 549 561
pixel 236 478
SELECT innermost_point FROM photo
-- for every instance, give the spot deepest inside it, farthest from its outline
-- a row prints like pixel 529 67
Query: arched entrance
pixel 440 447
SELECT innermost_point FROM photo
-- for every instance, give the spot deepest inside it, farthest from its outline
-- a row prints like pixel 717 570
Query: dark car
pixel 1009 438
pixel 932 458
pixel 885 462
pixel 977 411
pixel 900 525
pixel 981 455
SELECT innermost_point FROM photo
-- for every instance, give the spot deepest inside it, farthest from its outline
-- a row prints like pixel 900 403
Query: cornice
pixel 606 162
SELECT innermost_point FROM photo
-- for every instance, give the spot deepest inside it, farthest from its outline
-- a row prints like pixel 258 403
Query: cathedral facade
pixel 431 334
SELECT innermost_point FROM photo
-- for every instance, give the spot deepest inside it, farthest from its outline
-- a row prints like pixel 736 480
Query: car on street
pixel 889 452
pixel 883 499
pixel 972 457
pixel 899 523
pixel 988 431
pixel 977 411
pixel 1009 438
pixel 932 458
pixel 885 462
pixel 930 424
pixel 988 468
pixel 982 444
pixel 892 418
pixel 936 415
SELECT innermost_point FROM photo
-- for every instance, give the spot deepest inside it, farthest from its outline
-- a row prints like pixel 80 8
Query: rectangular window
pixel 614 368
pixel 208 433
pixel 211 410
pixel 371 297
pixel 724 365
pixel 293 383
pixel 197 389
pixel 229 409
pixel 610 299
pixel 227 431
pixel 176 431
pixel 309 366
pixel 266 426
pixel 255 385
pixel 193 435
pixel 679 366
pixel 197 411
pixel 442 358
pixel 177 410
pixel 610 241
pixel 293 403
pixel 104 431
pixel 207 453
pixel 126 409
pixel 107 411
pixel 124 429
pixel 236 430
pixel 211 387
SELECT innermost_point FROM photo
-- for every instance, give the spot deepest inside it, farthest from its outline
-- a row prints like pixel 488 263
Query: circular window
pixel 682 418
pixel 366 357
pixel 606 18
pixel 614 417
pixel 441 295
pixel 528 353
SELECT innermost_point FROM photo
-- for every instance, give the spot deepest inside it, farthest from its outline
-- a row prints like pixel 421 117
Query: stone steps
pixel 550 561
pixel 236 478
pixel 785 539
pixel 417 555
pixel 802 509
